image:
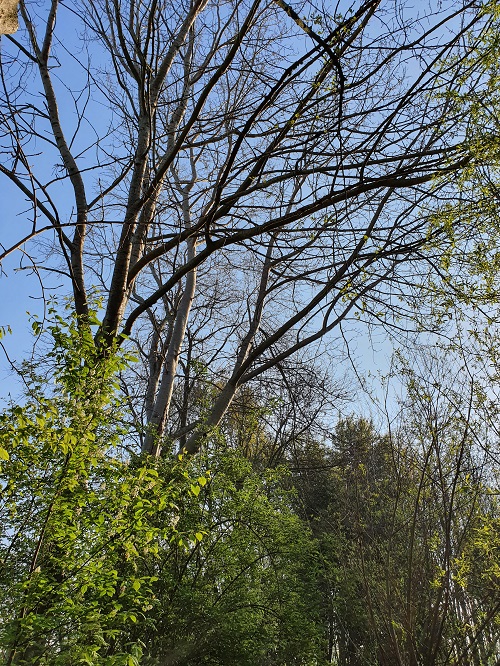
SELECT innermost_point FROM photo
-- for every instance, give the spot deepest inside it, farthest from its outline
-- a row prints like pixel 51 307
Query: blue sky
pixel 21 287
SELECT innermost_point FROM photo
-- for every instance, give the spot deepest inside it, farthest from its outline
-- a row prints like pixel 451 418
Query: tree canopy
pixel 229 192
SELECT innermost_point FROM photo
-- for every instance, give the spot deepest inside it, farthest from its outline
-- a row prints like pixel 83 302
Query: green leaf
pixel 195 490
pixel 4 330
pixel 3 454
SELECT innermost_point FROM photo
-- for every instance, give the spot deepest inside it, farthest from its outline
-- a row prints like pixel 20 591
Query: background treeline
pixel 363 547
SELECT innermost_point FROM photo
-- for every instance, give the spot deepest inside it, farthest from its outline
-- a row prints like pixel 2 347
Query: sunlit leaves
pixel 78 516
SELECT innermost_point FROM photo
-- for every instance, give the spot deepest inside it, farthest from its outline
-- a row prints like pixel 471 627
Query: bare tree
pixel 263 172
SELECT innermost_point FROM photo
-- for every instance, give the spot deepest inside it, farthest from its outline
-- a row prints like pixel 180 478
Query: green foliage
pixel 387 552
pixel 464 235
pixel 345 493
pixel 409 541
pixel 78 517
pixel 107 559
pixel 243 593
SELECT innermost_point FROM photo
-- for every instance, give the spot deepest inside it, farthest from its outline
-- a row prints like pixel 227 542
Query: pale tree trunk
pixel 156 425
pixel 155 362
pixel 161 406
